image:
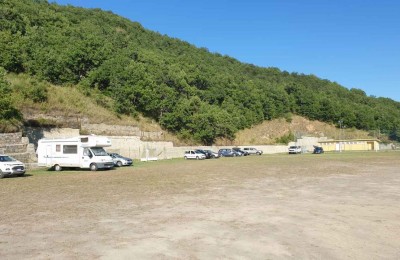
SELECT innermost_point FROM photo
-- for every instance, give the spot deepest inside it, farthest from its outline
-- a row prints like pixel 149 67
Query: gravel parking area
pixel 330 206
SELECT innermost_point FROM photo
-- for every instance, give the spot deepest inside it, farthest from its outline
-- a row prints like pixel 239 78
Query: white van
pixel 85 152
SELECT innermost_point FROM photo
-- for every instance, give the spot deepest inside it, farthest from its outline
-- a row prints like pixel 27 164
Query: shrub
pixel 37 92
pixel 285 139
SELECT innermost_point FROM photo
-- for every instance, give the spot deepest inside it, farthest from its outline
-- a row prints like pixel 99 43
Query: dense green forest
pixel 190 91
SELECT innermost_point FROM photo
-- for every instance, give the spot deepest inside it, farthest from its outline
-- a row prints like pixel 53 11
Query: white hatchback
pixel 194 155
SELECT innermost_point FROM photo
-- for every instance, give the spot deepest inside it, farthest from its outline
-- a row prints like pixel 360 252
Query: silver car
pixel 191 154
pixel 120 160
pixel 252 150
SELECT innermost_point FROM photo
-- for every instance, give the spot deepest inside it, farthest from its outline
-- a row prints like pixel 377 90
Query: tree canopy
pixel 188 90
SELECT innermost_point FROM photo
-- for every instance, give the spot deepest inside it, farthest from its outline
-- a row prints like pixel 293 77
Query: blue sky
pixel 355 43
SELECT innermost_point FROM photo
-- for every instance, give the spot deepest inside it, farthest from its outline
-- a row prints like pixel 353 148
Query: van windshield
pixel 99 151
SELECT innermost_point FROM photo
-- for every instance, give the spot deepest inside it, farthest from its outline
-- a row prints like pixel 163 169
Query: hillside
pixel 277 130
pixel 130 71
pixel 68 107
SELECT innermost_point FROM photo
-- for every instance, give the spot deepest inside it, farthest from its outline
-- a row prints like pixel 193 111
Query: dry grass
pixel 69 101
pixel 326 206
pixel 269 131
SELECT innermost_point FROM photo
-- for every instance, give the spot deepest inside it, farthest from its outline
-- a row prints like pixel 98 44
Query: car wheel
pixel 119 163
pixel 57 168
pixel 93 167
pixel 259 153
pixel 197 158
pixel 1 175
pixel 234 155
pixel 185 158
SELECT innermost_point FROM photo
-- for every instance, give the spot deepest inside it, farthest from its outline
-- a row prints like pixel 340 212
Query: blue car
pixel 318 150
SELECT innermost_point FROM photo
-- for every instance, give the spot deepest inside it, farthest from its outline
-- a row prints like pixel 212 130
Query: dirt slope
pixel 269 131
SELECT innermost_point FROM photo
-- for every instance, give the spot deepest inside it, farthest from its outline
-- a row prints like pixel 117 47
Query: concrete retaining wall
pixel 120 130
pixel 34 134
pixel 133 147
pixel 137 149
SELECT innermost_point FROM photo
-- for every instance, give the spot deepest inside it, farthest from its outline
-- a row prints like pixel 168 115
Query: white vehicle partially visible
pixel 10 166
pixel 194 155
pixel 294 149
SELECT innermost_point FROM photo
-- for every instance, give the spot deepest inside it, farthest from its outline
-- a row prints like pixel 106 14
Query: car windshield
pixel 99 151
pixel 5 158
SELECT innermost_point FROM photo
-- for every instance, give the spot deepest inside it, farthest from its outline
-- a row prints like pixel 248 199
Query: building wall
pixel 350 146
pixel 307 143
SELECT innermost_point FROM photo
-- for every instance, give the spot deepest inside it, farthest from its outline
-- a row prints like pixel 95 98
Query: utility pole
pixel 340 134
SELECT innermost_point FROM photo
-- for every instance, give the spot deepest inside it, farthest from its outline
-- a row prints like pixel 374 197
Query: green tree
pixel 10 117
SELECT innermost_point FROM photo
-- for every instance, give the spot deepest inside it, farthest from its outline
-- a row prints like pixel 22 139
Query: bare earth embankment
pixel 331 206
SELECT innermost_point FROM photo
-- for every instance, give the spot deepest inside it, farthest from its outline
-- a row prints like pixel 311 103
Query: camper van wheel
pixel 57 168
pixel 93 167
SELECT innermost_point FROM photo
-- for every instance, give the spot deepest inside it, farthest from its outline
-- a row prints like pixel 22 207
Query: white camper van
pixel 83 152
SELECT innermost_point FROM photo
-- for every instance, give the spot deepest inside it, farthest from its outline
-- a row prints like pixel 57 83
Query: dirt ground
pixel 330 206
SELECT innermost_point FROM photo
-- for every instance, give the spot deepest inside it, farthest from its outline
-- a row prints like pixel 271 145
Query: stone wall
pixel 10 138
pixel 15 145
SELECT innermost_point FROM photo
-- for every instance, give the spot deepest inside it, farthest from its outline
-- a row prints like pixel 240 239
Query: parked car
pixel 214 155
pixel 226 152
pixel 252 150
pixel 208 154
pixel 10 166
pixel 318 150
pixel 294 149
pixel 192 154
pixel 242 152
pixel 120 160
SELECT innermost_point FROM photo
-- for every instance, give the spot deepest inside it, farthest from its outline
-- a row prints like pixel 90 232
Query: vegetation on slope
pixel 197 94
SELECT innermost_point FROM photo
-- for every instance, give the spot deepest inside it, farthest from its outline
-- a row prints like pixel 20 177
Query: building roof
pixel 350 140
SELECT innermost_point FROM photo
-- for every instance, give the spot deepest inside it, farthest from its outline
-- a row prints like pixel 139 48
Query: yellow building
pixel 350 145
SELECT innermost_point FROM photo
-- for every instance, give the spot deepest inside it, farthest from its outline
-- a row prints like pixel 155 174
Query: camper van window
pixel 99 151
pixel 84 139
pixel 87 152
pixel 70 149
pixel 58 148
